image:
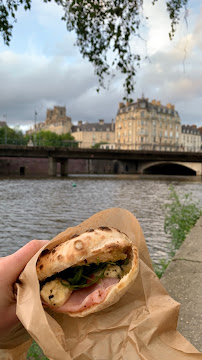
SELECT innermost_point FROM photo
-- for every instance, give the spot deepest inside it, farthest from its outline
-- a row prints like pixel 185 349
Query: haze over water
pixel 42 208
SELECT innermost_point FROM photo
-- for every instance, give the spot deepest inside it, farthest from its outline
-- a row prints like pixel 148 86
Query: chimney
pixel 79 123
pixel 121 105
pixel 101 122
pixel 112 125
pixel 170 106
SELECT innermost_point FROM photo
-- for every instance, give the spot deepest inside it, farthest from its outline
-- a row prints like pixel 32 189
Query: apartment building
pixel 191 138
pixel 144 125
pixel 89 134
pixel 56 121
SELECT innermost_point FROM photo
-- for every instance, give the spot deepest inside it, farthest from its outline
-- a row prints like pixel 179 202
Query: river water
pixel 41 208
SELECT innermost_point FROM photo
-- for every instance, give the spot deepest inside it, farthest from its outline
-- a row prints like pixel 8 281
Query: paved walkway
pixel 183 281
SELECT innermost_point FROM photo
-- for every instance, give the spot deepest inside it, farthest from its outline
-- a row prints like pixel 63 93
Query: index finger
pixel 13 265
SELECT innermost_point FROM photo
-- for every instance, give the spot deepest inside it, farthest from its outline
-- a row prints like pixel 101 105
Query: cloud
pixel 36 82
pixel 43 68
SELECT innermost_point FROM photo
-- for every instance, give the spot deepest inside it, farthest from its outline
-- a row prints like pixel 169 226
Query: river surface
pixel 42 208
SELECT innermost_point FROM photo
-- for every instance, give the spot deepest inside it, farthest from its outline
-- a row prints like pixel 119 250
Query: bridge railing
pixel 88 145
pixel 24 142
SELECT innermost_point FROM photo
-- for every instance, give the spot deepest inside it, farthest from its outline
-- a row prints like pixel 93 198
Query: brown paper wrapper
pixel 142 325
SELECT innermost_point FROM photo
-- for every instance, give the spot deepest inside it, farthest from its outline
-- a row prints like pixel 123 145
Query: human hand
pixel 10 268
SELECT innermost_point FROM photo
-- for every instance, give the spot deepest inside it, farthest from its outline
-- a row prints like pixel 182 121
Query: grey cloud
pixel 53 82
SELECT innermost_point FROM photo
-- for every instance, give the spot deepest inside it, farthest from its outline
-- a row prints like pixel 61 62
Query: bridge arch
pixel 169 168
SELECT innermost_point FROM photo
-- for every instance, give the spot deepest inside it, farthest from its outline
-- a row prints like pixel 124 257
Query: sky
pixel 42 68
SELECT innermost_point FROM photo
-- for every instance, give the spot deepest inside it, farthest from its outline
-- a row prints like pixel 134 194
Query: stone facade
pixel 89 134
pixel 56 121
pixel 141 125
pixel 145 125
pixel 191 138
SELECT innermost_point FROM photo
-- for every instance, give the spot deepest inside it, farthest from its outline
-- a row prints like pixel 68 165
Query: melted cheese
pixel 113 271
pixel 54 293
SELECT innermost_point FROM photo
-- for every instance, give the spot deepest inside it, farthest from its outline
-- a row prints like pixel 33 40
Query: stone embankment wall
pixel 39 167
pixel 183 281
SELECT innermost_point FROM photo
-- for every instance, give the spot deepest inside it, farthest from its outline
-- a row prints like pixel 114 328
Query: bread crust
pixel 104 244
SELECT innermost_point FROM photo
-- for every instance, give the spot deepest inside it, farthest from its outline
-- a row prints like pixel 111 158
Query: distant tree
pixel 100 25
pixel 49 138
pixel 11 136
pixel 68 140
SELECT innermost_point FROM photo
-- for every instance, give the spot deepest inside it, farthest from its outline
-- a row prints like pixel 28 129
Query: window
pixel 142 105
pixel 142 114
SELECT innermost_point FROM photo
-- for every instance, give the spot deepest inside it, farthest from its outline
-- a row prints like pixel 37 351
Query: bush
pixel 181 215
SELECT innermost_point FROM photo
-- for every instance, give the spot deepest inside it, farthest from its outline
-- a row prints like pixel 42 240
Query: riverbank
pixel 183 281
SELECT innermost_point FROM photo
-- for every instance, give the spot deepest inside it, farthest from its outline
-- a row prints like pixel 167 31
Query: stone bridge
pixel 124 161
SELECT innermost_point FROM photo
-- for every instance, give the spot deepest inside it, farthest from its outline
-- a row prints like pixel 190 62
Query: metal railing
pixel 38 142
pixel 89 145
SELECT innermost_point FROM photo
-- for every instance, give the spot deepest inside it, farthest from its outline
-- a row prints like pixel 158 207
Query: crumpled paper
pixel 142 325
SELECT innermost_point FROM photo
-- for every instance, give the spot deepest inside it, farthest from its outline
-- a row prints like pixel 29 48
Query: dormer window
pixel 142 105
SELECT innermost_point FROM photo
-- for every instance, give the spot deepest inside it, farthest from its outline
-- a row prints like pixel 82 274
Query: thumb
pixel 15 263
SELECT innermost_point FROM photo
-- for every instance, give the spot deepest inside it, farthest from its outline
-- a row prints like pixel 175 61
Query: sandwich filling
pixel 82 286
pixel 87 272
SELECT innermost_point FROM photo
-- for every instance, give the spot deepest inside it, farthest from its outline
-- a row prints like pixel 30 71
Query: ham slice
pixel 87 297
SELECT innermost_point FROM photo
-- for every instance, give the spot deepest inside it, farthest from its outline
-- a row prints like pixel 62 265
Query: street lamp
pixel 35 115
